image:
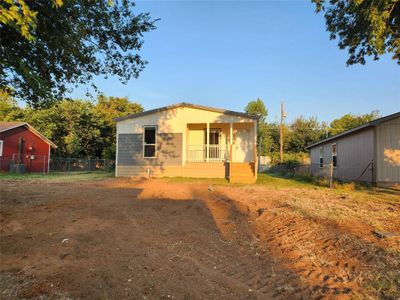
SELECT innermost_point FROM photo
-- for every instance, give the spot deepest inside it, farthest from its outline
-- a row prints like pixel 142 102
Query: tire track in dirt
pixel 329 262
pixel 238 258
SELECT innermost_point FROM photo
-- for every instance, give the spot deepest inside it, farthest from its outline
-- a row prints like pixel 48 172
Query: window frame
pixel 213 130
pixel 155 141
pixel 334 155
pixel 1 147
pixel 321 157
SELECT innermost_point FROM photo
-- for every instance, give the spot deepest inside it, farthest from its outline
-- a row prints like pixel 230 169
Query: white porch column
pixel 184 145
pixel 208 142
pixel 230 133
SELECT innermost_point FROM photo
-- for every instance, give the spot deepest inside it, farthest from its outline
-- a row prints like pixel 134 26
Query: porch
pixel 231 146
pixel 221 142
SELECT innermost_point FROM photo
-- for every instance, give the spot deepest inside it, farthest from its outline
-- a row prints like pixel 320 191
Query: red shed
pixel 23 147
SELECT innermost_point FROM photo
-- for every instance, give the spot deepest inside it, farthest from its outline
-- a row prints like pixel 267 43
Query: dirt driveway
pixel 152 239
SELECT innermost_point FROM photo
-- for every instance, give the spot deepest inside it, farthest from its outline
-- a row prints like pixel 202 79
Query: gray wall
pixel 130 150
pixel 355 152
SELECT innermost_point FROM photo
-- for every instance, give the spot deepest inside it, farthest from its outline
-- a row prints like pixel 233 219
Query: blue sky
pixel 226 53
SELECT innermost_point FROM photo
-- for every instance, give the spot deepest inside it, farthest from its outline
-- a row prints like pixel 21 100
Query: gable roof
pixel 356 129
pixel 184 104
pixel 6 126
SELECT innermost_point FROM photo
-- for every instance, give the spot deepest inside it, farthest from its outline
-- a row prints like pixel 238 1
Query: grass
pixel 263 179
pixel 56 176
pixel 285 182
pixel 386 285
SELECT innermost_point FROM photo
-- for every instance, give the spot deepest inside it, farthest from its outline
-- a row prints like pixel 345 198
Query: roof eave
pixel 351 131
pixel 34 131
pixel 183 104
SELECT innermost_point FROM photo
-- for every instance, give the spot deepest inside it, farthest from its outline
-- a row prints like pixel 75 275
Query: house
pixel 23 148
pixel 187 140
pixel 369 153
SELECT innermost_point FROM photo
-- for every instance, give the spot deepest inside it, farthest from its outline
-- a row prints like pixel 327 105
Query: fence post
pixel 89 164
pixel 372 172
pixel 331 174
pixel 69 164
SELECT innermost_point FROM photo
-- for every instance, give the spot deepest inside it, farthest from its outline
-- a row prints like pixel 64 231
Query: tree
pixel 73 126
pixel 78 127
pixel 304 132
pixel 349 121
pixel 271 141
pixel 67 44
pixel 17 14
pixel 365 27
pixel 257 108
pixel 110 108
pixel 7 104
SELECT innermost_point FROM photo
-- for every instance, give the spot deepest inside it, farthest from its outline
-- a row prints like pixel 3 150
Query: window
pixel 1 148
pixel 334 155
pixel 321 157
pixel 214 141
pixel 149 138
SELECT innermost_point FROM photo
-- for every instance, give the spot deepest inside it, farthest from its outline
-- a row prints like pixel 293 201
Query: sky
pixel 227 53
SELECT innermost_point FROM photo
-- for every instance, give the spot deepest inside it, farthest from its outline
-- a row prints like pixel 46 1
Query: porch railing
pixel 216 153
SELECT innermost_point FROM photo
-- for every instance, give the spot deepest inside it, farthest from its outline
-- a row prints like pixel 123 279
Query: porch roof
pixel 184 104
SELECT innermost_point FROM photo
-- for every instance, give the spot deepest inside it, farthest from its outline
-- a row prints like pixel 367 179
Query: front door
pixel 213 151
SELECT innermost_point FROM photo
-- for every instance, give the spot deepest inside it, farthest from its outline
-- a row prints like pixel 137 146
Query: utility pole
pixel 283 116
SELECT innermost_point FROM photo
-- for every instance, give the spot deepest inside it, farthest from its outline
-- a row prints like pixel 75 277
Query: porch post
pixel 230 133
pixel 230 140
pixel 230 150
pixel 208 142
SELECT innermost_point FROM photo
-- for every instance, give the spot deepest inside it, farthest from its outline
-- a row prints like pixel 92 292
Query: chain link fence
pixel 42 164
pixel 62 164
pixel 356 172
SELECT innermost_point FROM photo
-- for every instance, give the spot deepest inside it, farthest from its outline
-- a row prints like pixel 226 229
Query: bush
pixel 291 159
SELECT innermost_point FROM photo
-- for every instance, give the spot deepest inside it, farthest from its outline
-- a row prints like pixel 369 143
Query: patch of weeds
pixel 385 285
pixel 286 288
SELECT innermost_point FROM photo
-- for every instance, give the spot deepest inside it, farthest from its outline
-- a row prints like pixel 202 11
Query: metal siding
pixel 314 155
pixel 388 149
pixel 354 153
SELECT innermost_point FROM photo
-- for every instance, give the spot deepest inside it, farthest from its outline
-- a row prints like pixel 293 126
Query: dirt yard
pixel 159 239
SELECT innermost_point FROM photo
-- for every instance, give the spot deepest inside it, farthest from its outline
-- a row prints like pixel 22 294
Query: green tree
pixel 349 121
pixel 304 132
pixel 271 142
pixel 64 45
pixel 78 127
pixel 110 108
pixel 8 105
pixel 257 108
pixel 18 14
pixel 74 126
pixel 364 27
